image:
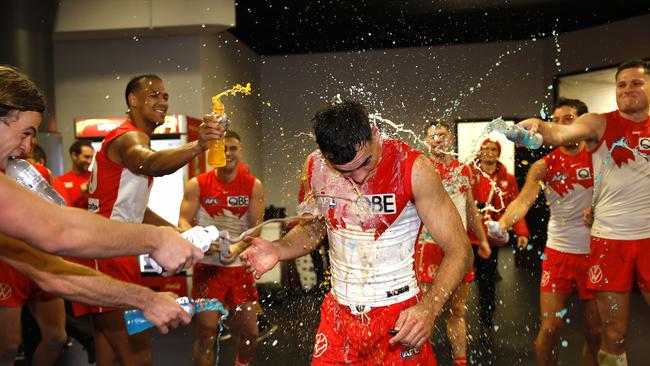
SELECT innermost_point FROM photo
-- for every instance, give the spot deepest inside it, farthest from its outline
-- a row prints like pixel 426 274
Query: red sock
pixel 459 361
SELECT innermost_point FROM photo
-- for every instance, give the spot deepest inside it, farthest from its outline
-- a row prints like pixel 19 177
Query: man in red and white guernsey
pixel 370 194
pixel 456 178
pixel 76 180
pixel 620 235
pixel 567 177
pixel 119 189
pixel 233 200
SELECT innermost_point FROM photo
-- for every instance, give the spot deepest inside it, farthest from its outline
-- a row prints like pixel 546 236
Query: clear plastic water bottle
pixel 518 135
pixel 27 176
pixel 494 229
pixel 136 322
pixel 202 237
pixel 224 245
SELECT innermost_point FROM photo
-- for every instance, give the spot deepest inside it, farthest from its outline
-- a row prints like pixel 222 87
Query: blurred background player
pixel 456 178
pixel 76 180
pixel 567 177
pixel 233 200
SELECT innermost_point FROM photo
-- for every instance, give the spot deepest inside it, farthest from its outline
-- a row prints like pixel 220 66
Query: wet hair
pixel 18 93
pixel 136 83
pixel 577 104
pixel 633 64
pixel 437 123
pixel 77 145
pixel 38 154
pixel 232 134
pixel 340 129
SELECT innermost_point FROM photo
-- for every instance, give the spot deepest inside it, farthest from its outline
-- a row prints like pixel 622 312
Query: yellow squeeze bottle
pixel 216 148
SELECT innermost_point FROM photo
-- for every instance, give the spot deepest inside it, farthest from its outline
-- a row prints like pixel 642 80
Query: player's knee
pixel 551 324
pixel 9 349
pixel 55 339
pixel 615 332
pixel 207 336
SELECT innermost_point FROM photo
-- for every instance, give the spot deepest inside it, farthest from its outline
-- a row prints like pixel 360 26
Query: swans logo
pixel 5 291
pixel 546 276
pixel 595 274
pixel 321 345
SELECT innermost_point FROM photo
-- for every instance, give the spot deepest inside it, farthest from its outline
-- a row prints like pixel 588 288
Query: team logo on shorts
pixel 5 291
pixel 644 143
pixel 203 290
pixel 583 173
pixel 595 274
pixel 321 345
pixel 410 353
pixel 546 276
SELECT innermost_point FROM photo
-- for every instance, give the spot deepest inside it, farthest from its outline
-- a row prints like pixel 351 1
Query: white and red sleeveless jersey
pixel 569 186
pixel 115 192
pixel 622 180
pixel 372 228
pixel 456 180
pixel 224 205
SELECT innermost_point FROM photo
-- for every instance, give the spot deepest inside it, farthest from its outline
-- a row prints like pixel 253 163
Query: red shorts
pixel 347 339
pixel 16 288
pixel 428 256
pixel 121 268
pixel 564 273
pixel 613 264
pixel 232 286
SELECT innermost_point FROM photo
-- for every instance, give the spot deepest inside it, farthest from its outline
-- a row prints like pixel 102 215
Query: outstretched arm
pixel 518 208
pixel 588 127
pixel 79 283
pixel 133 150
pixel 78 233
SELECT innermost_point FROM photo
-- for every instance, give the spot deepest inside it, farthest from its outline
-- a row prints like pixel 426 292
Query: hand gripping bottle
pixel 27 176
pixel 201 237
pixel 216 152
pixel 495 230
pixel 136 322
pixel 517 134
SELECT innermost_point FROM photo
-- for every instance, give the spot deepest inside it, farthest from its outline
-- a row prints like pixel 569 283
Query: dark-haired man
pixel 567 177
pixel 119 189
pixel 76 180
pixel 620 234
pixel 370 194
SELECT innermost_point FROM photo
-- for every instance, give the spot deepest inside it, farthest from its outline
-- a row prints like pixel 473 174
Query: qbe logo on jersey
pixel 583 173
pixel 379 203
pixel 237 201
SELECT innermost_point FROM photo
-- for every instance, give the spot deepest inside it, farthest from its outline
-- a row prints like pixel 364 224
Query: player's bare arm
pixel 443 222
pixel 519 207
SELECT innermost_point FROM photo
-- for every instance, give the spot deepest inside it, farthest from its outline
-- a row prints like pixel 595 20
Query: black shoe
pixel 266 328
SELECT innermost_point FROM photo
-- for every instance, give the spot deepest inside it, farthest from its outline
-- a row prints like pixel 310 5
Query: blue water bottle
pixel 518 135
pixel 136 322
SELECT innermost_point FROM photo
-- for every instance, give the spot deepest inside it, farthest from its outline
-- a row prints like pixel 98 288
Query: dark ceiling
pixel 274 27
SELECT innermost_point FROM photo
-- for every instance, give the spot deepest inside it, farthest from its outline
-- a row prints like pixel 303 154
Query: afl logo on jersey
pixel 211 201
pixel 644 143
pixel 583 173
pixel 237 201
